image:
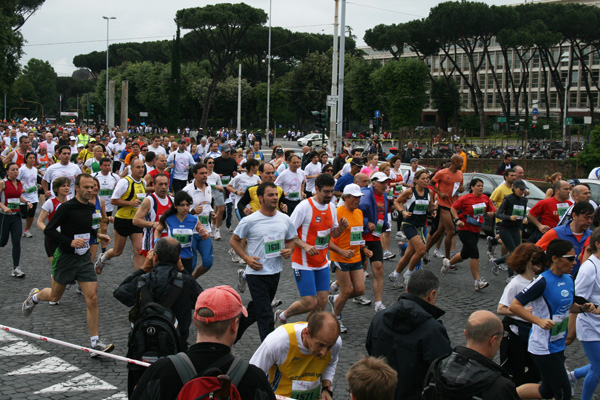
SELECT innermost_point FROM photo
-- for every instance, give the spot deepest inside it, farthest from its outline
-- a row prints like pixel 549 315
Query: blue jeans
pixel 205 248
pixel 592 351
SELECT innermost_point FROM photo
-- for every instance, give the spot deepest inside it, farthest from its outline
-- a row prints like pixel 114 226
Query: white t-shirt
pixel 51 148
pixel 243 182
pixel 587 285
pixel 291 183
pixel 303 216
pixel 28 178
pixel 346 169
pixel 282 167
pixel 265 235
pixel 312 169
pixel 274 351
pixel 107 186
pixel 182 161
pixel 116 149
pixel 514 287
pixel 57 170
pixel 158 150
pixel 203 198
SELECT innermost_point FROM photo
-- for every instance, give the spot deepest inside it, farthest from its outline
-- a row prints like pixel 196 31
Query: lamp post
pixel 269 74
pixel 566 56
pixel 107 23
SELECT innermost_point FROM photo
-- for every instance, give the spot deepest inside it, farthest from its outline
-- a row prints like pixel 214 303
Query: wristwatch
pixel 328 390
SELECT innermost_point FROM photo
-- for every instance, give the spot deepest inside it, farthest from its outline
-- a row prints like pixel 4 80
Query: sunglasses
pixel 570 258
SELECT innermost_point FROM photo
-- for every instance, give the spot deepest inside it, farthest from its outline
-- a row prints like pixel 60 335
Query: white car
pixel 310 139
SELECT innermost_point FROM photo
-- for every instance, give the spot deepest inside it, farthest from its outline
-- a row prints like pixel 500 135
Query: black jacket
pixel 161 380
pixel 478 376
pixel 159 284
pixel 409 335
pixel 506 211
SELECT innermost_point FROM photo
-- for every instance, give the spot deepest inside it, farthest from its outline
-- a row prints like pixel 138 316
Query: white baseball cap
pixel 353 190
pixel 380 177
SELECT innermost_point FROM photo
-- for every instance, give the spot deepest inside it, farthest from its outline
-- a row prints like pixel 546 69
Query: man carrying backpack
pixel 162 295
pixel 216 317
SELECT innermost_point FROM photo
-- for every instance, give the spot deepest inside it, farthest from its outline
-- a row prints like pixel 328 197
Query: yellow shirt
pixel 499 194
pixel 134 190
pixel 464 157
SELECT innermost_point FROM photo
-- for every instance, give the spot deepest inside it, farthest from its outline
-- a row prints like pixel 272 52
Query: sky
pixel 62 29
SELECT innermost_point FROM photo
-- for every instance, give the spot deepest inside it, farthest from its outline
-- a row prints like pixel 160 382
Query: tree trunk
pixel 207 102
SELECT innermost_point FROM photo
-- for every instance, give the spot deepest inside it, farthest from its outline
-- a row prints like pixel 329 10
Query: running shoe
pixel 100 264
pixel 401 236
pixel 494 265
pixel 490 246
pixel 54 303
pixel 29 304
pixel 481 283
pixel 276 303
pixel 395 280
pixel 361 300
pixel 572 381
pixel 333 287
pixel 234 256
pixel 241 280
pixel 379 307
pixel 437 253
pixel 426 259
pixel 331 300
pixel 367 274
pixel 230 228
pixel 17 273
pixel 407 275
pixel 217 235
pixel 502 267
pixel 27 234
pixel 343 329
pixel 278 321
pixel 102 347
pixel 445 266
pixel 388 255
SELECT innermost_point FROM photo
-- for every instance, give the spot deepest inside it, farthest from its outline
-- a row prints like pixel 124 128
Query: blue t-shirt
pixel 183 231
pixel 551 297
pixel 344 181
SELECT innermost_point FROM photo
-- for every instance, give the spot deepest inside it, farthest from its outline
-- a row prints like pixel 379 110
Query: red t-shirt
pixel 372 236
pixel 475 207
pixel 448 182
pixel 550 211
pixel 155 172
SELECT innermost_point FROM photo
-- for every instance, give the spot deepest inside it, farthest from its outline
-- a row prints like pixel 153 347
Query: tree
pixel 358 87
pixel 43 77
pixel 218 31
pixel 402 88
pixel 13 15
pixel 446 99
pixel 175 86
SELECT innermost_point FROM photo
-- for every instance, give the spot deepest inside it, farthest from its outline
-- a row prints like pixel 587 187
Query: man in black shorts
pixel 72 258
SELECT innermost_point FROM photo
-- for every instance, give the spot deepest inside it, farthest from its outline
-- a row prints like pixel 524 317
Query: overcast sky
pixel 62 29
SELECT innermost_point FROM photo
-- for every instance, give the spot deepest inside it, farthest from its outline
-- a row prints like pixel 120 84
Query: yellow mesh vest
pixel 299 377
pixel 134 190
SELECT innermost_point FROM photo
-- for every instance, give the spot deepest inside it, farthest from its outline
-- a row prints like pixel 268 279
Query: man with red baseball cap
pixel 216 317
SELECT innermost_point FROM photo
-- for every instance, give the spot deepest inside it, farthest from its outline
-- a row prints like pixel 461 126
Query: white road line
pixel 51 365
pixel 21 348
pixel 81 383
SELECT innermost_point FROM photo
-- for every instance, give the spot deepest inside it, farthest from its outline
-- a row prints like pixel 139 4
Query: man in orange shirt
pixel 345 253
pixel 461 152
pixel 135 153
pixel 449 183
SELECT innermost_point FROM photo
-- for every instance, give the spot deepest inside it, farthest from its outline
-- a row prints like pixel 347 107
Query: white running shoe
pixel 333 287
pixel 234 256
pixel 17 273
pixel 395 280
pixel 29 304
pixel 343 329
pixel 361 300
pixel 217 235
pixel 379 307
pixel 494 265
pixel 27 234
pixel 481 283
pixel 437 253
pixel 241 283
pixel 445 266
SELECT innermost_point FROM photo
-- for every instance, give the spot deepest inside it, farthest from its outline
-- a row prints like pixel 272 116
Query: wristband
pixel 581 309
pixel 156 240
pixel 328 390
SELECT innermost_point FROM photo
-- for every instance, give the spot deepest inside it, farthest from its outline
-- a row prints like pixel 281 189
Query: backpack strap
pixel 237 370
pixel 145 296
pixel 174 292
pixel 184 366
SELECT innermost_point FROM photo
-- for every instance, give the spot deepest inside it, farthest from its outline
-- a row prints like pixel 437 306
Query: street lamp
pixel 566 56
pixel 107 21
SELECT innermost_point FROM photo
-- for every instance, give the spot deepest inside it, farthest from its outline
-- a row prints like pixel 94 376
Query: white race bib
pixel 562 209
pixel 13 204
pixel 478 209
pixel 421 207
pixel 378 228
pixel 183 236
pixel 273 246
pixel 356 238
pixel 82 250
pixel 519 211
pixel 322 242
pixel 455 189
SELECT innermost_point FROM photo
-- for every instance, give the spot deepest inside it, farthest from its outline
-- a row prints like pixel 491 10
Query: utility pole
pixel 269 73
pixel 340 104
pixel 239 104
pixel 334 81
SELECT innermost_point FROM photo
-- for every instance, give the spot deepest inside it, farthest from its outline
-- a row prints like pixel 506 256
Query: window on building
pixel 573 99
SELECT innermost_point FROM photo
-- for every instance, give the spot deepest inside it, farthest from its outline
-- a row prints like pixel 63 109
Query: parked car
pixel 311 138
pixel 490 183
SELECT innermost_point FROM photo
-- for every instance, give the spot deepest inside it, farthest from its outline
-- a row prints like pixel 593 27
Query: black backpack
pixel 154 334
pixel 435 389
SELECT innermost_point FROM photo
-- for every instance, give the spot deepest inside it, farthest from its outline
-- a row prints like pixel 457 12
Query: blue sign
pixel 534 111
pixel 377 113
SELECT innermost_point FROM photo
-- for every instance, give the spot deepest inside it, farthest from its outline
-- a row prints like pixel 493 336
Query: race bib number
pixel 204 221
pixel 212 187
pixel 378 228
pixel 455 189
pixel 421 207
pixel 183 236
pixel 31 189
pixel 273 246
pixel 356 238
pixel 304 390
pixel 562 209
pixel 294 195
pixel 140 196
pixel 519 211
pixel 13 204
pixel 105 192
pixel 322 242
pixel 397 190
pixel 559 330
pixel 96 218
pixel 82 250
pixel 225 180
pixel 478 209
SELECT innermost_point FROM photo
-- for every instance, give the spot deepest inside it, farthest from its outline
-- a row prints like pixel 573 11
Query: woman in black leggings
pixel 11 195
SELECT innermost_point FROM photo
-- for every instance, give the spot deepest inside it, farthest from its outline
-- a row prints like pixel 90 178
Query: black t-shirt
pixel 226 167
pixel 161 380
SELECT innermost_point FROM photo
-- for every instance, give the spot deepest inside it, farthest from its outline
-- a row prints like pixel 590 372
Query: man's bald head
pixel 581 193
pixel 481 327
pixel 361 179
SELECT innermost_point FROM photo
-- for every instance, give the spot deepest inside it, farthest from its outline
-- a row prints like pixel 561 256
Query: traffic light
pixel 91 112
pixel 321 121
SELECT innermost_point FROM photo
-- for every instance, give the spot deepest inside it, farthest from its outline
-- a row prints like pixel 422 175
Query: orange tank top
pixel 315 231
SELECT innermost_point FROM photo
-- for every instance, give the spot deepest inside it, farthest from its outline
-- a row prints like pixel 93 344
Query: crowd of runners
pixel 331 216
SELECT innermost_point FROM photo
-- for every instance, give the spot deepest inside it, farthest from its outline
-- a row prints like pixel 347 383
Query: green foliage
pixel 446 99
pixel 175 86
pixel 309 85
pixel 590 156
pixel 358 89
pixel 402 90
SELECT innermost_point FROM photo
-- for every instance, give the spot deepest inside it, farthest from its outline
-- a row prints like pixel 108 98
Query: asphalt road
pixel 31 368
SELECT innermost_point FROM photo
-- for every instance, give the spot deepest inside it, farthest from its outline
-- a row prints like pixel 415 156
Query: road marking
pixel 21 348
pixel 117 396
pixel 81 383
pixel 50 365
pixel 7 337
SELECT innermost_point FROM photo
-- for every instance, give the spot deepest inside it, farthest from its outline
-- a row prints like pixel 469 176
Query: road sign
pixel 587 120
pixel 546 127
pixel 377 113
pixel 143 114
pixel 501 119
pixel 569 121
pixel 68 114
pixel 534 118
pixel 332 100
pixel 534 111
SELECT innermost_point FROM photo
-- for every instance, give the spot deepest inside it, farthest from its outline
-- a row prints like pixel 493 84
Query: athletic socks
pixel 93 341
pixel 282 316
pixel 395 274
pixel 377 303
pixel 34 298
